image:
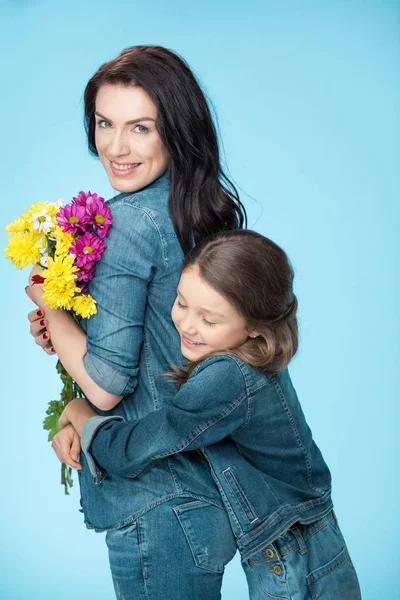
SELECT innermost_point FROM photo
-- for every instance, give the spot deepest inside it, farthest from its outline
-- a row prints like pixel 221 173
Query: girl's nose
pixel 188 325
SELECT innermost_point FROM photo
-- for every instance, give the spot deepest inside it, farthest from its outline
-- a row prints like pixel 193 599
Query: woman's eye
pixel 104 124
pixel 180 304
pixel 141 129
pixel 208 322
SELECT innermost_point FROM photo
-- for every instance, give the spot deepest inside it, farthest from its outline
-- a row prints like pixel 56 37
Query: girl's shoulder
pixel 230 370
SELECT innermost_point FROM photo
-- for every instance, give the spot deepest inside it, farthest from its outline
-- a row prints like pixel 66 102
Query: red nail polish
pixel 39 313
pixel 45 336
pixel 53 349
pixel 42 323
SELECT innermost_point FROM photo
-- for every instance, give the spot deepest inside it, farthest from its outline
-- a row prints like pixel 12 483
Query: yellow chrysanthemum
pixel 59 285
pixel 84 306
pixel 23 249
pixel 23 223
pixel 37 207
pixel 64 240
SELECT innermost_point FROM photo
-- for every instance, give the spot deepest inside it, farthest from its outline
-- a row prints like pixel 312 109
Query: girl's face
pixel 205 320
pixel 127 140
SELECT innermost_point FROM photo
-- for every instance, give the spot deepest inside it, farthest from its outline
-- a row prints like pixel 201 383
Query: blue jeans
pixel 309 562
pixel 176 551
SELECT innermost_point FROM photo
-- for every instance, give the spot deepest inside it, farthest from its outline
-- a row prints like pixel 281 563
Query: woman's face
pixel 205 320
pixel 127 140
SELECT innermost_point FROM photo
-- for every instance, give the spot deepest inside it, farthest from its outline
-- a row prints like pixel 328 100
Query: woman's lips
pixel 123 170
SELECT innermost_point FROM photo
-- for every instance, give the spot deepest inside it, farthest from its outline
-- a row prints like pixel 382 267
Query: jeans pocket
pixel 336 579
pixel 208 533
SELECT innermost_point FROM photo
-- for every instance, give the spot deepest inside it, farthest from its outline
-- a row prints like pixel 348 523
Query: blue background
pixel 307 95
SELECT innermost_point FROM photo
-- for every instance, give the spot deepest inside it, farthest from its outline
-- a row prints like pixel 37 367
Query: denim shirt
pixel 253 432
pixel 131 341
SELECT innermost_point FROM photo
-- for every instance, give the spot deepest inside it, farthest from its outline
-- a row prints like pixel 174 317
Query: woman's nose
pixel 118 146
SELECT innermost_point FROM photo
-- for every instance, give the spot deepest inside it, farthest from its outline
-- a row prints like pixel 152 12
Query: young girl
pixel 235 313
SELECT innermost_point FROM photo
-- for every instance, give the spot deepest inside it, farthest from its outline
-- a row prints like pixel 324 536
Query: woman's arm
pixel 105 363
pixel 209 407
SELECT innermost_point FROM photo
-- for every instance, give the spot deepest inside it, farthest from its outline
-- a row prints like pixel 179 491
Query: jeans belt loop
pixel 300 540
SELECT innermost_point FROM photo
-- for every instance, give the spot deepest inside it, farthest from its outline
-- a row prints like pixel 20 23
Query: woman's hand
pixel 39 325
pixel 35 292
pixel 39 330
pixel 67 445
pixel 76 413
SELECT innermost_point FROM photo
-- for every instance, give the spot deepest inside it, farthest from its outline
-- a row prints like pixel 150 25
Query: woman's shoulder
pixel 146 209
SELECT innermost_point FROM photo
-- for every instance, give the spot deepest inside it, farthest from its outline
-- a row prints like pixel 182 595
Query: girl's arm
pixel 105 363
pixel 209 407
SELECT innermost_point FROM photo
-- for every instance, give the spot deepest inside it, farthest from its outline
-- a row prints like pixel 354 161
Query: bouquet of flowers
pixel 67 242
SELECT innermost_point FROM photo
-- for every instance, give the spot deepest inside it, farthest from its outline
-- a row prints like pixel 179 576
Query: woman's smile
pixel 123 169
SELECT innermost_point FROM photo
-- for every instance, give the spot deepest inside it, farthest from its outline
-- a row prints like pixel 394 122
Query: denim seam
pixel 264 591
pixel 173 475
pixel 240 495
pixel 149 507
pixel 227 504
pixel 313 530
pixel 195 434
pixel 152 217
pixel 295 431
pixel 276 534
pixel 311 582
pixel 126 379
pixel 156 404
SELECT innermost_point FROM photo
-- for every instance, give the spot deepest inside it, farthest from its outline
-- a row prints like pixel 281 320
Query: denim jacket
pixel 131 341
pixel 253 433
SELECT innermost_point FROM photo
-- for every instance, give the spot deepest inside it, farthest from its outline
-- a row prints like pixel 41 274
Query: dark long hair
pixel 256 277
pixel 202 199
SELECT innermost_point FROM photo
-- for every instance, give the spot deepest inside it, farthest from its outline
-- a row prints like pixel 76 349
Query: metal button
pixel 277 570
pixel 268 552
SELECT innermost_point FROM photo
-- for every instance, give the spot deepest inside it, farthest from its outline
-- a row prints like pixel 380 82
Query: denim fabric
pixel 176 551
pixel 131 341
pixel 251 429
pixel 309 562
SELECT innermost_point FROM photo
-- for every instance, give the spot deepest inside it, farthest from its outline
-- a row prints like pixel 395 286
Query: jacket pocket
pixel 208 533
pixel 240 495
pixel 336 579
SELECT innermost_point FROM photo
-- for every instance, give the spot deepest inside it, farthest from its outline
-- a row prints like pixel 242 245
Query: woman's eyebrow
pixel 127 122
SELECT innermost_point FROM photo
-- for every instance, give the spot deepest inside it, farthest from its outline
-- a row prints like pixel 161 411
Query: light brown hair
pixel 255 276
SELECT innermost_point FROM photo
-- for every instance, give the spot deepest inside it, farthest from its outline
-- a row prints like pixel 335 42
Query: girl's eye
pixel 141 129
pixel 103 124
pixel 208 322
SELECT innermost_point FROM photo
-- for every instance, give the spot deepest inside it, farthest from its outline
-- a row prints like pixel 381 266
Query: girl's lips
pixel 189 344
pixel 123 172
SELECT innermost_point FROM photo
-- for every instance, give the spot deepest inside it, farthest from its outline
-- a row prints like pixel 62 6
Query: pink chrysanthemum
pixel 99 215
pixel 87 249
pixel 85 198
pixel 85 275
pixel 72 218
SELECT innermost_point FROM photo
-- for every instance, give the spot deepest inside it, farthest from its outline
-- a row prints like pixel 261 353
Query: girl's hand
pixel 67 445
pixel 76 413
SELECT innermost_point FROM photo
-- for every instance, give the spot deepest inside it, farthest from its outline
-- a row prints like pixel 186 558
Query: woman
pixel 149 123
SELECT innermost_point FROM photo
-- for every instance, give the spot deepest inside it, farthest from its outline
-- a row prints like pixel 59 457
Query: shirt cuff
pixel 88 433
pixel 107 377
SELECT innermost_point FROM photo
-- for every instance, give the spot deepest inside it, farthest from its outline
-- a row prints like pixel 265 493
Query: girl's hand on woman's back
pixel 67 445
